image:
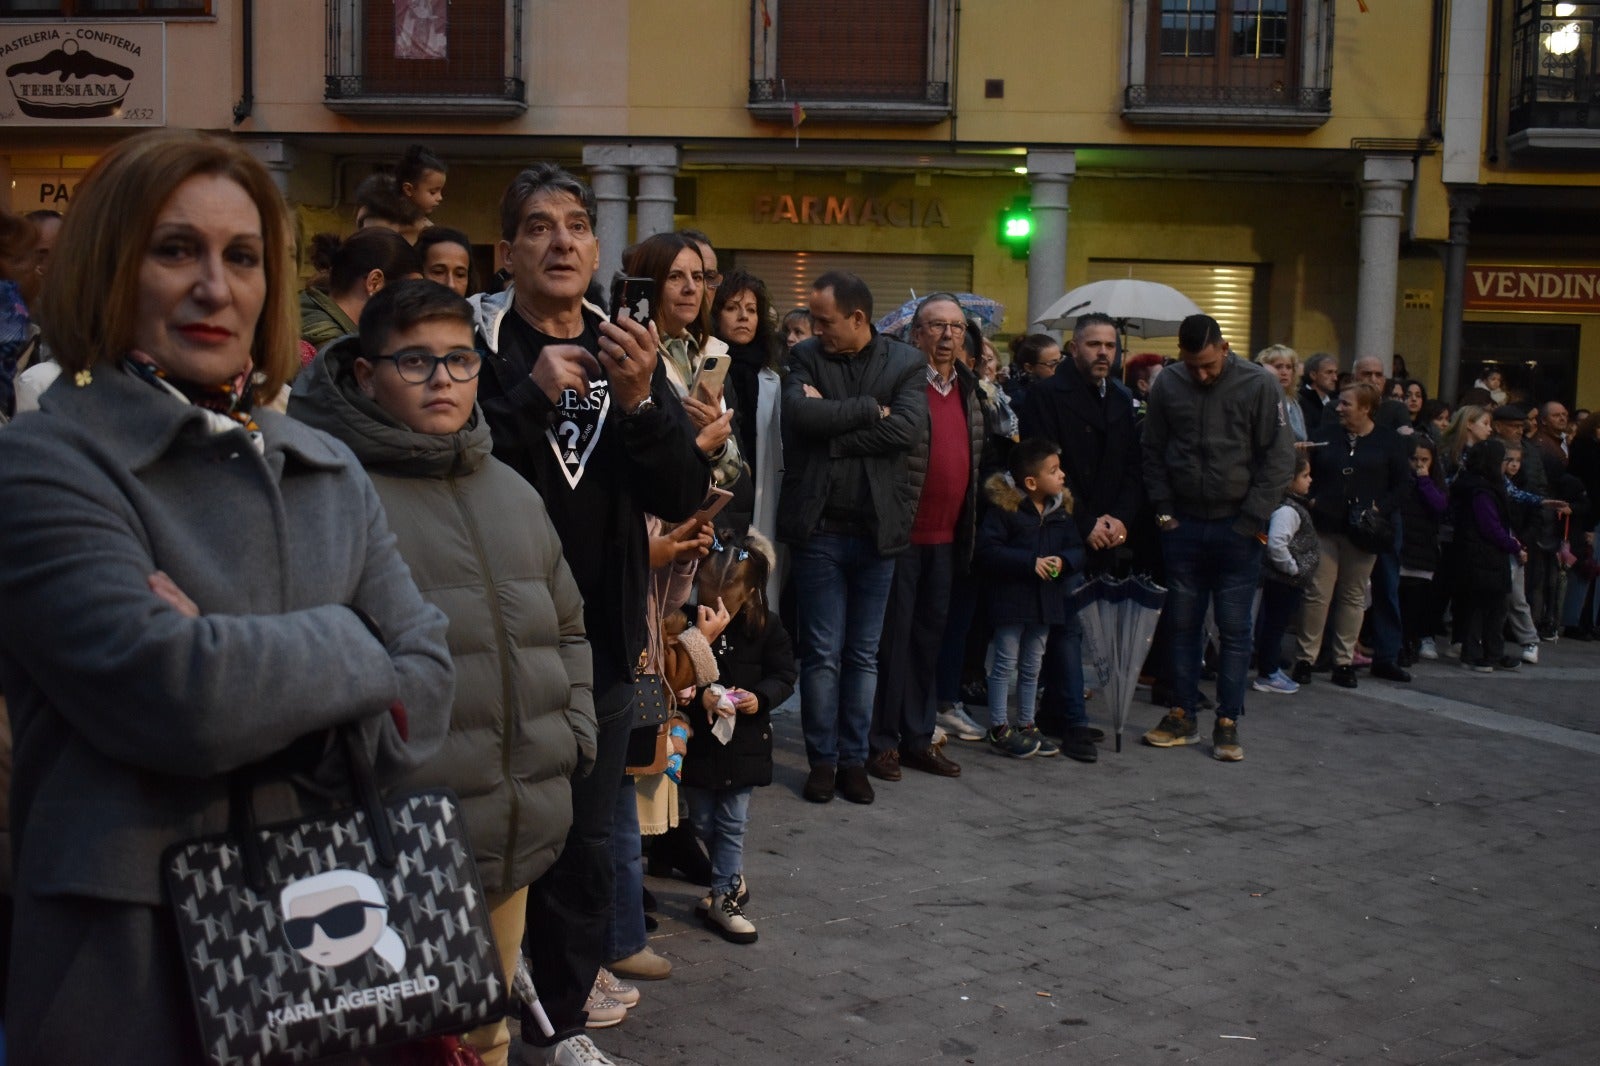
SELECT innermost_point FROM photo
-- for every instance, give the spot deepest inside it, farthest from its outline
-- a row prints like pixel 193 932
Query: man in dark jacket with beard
pixel 580 408
pixel 1090 415
pixel 854 409
pixel 1218 455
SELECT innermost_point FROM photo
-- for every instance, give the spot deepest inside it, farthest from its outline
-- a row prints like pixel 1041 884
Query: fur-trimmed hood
pixel 1004 494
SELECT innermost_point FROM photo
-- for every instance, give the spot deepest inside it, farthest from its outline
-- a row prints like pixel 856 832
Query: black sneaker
pixel 1508 662
pixel 1007 740
pixel 1077 743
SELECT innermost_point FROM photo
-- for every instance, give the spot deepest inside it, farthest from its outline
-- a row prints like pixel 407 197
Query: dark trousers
pixel 1543 577
pixel 1279 601
pixel 1417 611
pixel 1385 612
pixel 569 907
pixel 966 639
pixel 908 650
pixel 1480 625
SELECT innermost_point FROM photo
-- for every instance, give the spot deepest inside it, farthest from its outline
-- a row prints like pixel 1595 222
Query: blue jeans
pixel 1207 561
pixel 1017 653
pixel 1385 612
pixel 626 934
pixel 841 587
pixel 719 816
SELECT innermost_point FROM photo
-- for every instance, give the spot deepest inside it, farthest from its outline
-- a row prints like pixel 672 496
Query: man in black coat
pixel 1090 415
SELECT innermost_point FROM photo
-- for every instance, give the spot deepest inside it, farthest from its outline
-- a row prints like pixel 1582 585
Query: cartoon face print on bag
pixel 336 917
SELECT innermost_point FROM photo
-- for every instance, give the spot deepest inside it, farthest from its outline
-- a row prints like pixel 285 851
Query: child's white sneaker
pixel 727 919
pixel 1429 650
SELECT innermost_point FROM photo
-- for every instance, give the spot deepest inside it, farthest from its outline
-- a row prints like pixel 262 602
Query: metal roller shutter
pixel 892 278
pixel 1225 292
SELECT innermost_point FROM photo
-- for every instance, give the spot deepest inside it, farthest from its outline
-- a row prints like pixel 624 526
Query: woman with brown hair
pixel 681 316
pixel 191 584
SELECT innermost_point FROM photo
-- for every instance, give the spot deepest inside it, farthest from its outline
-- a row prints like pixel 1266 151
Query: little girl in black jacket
pixel 756 673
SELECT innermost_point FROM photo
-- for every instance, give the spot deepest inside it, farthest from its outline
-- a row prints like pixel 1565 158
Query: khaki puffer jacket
pixel 481 547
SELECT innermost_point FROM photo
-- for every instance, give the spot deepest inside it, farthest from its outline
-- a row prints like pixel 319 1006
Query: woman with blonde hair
pixel 1470 425
pixel 192 585
pixel 1283 361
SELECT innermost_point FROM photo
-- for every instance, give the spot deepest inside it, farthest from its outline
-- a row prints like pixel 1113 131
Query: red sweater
pixel 949 470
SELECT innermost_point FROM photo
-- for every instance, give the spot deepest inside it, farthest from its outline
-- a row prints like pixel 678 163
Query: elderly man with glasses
pixel 942 535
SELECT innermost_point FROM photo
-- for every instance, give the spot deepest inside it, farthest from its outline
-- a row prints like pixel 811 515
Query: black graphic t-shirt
pixel 575 431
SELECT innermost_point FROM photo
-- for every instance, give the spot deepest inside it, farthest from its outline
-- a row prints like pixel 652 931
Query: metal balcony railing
pixel 471 64
pixel 888 61
pixel 1555 71
pixel 1264 64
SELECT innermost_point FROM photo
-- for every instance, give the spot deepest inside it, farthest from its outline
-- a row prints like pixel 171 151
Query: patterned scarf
pixel 227 406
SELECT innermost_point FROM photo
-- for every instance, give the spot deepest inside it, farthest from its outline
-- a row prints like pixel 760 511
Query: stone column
pixel 658 168
pixel 1462 201
pixel 1050 174
pixel 608 176
pixel 1383 185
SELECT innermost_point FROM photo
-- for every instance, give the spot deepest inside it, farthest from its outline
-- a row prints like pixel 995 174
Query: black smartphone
pixel 631 298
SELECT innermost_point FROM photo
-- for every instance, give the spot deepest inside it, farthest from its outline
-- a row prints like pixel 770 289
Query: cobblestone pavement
pixel 1401 874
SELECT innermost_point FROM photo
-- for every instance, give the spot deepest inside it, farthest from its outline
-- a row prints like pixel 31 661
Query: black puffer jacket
pixel 762 663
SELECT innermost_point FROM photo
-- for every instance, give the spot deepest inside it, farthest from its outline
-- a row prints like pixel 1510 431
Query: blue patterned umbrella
pixel 989 313
pixel 1119 621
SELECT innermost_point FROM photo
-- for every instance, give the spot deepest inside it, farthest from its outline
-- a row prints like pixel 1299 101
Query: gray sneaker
pixel 1013 742
pixel 953 720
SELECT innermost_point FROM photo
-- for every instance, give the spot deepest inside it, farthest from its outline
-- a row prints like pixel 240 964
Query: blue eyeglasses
pixel 739 554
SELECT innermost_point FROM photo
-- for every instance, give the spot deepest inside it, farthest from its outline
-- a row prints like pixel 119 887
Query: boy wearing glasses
pixel 402 394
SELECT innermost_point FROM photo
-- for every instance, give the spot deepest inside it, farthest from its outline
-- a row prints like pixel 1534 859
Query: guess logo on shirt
pixel 581 419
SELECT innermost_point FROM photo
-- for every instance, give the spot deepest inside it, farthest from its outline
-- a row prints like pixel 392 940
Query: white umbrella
pixel 1147 308
pixel 1119 621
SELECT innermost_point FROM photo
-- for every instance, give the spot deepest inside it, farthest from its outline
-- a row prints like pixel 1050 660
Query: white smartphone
pixel 709 378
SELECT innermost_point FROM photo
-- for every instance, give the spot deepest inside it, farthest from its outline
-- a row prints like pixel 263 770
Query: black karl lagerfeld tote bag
pixel 336 933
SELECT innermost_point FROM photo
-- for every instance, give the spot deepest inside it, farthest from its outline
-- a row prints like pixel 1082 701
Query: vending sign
pixel 83 74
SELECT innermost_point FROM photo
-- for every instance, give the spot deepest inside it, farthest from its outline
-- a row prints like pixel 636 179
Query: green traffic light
pixel 1019 228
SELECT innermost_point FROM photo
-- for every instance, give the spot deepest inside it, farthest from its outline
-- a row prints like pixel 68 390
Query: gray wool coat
pixel 482 548
pixel 127 715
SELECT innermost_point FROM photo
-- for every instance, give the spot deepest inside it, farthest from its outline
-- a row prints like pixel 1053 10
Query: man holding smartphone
pixel 579 406
pixel 854 409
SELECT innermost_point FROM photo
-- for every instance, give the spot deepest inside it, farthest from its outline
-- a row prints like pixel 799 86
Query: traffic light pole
pixel 1050 174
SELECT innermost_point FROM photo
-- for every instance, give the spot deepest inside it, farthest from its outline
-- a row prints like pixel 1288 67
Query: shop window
pixel 103 8
pixel 1555 75
pixel 888 61
pixel 432 57
pixel 1230 62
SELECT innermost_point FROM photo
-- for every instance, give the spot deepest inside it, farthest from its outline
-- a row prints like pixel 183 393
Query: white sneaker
pixel 609 984
pixel 939 736
pixel 1530 654
pixel 1455 650
pixel 575 1051
pixel 741 896
pixel 954 721
pixel 726 919
pixel 603 1011
pixel 1429 650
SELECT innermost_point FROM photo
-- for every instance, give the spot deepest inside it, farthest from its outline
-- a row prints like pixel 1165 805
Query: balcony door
pixel 466 46
pixel 829 50
pixel 1212 50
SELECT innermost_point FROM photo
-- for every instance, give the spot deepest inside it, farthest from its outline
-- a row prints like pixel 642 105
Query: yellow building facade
pixel 1294 162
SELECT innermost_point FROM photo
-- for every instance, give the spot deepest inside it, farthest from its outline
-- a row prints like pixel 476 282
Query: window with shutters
pixel 425 57
pixel 1230 63
pixel 815 60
